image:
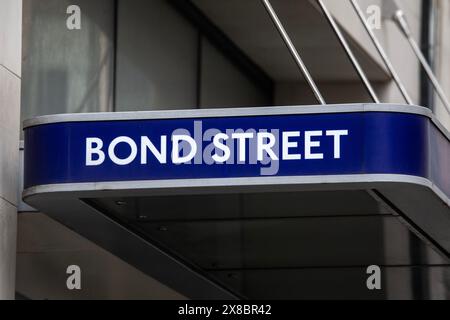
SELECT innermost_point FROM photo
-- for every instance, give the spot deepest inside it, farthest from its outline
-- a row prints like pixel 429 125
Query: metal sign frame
pixel 420 202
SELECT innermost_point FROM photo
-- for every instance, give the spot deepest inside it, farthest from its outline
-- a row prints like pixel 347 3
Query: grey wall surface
pixel 10 78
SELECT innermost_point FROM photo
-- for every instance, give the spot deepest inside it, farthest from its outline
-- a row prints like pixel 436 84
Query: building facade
pixel 113 56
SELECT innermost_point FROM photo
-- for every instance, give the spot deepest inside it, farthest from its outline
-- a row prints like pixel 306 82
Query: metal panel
pixel 69 210
pixel 401 148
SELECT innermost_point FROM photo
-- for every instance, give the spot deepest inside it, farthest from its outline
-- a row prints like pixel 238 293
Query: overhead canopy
pixel 198 198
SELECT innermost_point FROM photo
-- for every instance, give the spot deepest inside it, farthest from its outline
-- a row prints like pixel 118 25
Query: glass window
pixel 224 85
pixel 67 71
pixel 128 56
pixel 165 62
pixel 156 57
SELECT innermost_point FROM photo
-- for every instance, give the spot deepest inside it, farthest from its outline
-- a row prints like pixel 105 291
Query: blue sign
pixel 232 147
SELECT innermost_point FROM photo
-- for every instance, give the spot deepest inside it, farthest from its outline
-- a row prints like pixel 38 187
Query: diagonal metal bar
pixel 348 51
pixel 295 55
pixel 382 53
pixel 399 18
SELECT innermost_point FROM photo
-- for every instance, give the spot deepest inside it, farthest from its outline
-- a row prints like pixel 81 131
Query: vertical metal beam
pixel 349 51
pixel 295 55
pixel 382 53
pixel 399 18
pixel 427 46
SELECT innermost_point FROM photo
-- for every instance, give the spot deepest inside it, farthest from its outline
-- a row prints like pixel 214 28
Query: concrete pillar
pixel 10 79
